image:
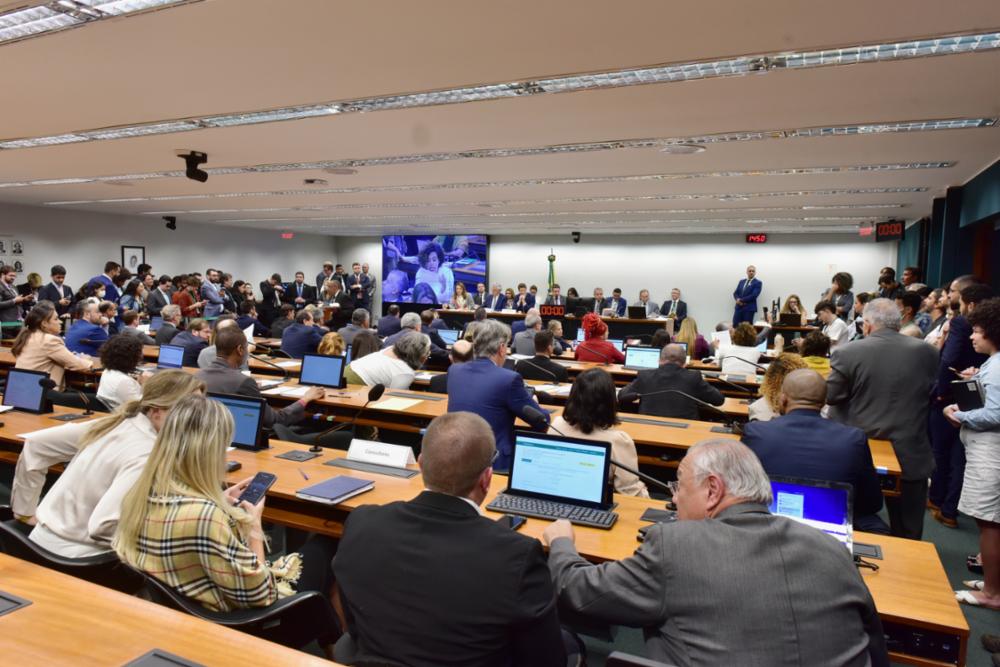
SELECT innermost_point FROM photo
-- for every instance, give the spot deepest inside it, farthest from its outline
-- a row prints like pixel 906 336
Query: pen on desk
pixel 301 472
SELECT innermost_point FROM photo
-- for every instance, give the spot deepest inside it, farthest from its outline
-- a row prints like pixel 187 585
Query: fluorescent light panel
pixel 62 14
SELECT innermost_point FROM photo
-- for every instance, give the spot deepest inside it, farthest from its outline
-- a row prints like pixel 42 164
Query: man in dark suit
pixel 58 292
pixel 271 294
pixel 617 303
pixel 159 297
pixel 495 300
pixel 523 300
pixel 600 303
pixel 745 295
pixel 388 324
pixel 460 353
pixel 541 367
pixel 413 322
pixel 801 443
pixel 299 294
pixel 555 297
pixel 480 294
pixel 357 285
pixel 880 384
pixel 171 315
pixel 360 321
pixel 194 339
pixel 485 387
pixel 343 305
pixel 431 582
pixel 675 307
pixel 301 338
pixel 670 377
pixel 728 583
pixel 324 275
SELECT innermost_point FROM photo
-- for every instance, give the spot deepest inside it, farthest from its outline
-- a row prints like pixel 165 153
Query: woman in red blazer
pixel 595 345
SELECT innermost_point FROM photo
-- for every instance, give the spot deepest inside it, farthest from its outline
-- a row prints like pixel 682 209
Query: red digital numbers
pixel 756 238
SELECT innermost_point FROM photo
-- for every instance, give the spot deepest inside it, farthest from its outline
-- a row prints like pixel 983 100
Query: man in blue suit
pixel 303 337
pixel 801 443
pixel 87 335
pixel 111 271
pixel 484 387
pixel 495 300
pixel 746 295
pixel 616 303
pixel 525 300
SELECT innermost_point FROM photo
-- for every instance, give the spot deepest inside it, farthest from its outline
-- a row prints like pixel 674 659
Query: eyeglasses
pixel 673 486
pixel 493 459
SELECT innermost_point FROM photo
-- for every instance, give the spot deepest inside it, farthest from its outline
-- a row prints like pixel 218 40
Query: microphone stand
pixel 374 394
pixel 284 371
pixel 734 426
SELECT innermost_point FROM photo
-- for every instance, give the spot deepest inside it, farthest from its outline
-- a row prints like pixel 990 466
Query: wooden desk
pixel 73 622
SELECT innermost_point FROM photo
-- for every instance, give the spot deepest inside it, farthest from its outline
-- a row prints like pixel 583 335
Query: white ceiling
pixel 224 56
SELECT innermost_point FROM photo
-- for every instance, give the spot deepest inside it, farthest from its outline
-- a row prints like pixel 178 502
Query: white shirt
pixel 733 359
pixel 117 388
pixel 380 368
pixel 837 331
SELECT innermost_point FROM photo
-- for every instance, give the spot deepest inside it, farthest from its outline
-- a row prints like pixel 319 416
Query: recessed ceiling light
pixel 682 149
pixel 63 14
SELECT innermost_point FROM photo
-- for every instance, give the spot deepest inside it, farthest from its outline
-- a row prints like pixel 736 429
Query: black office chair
pixel 292 621
pixel 336 440
pixel 103 569
pixel 619 659
pixel 78 399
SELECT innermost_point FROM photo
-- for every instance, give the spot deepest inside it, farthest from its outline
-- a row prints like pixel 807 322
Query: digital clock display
pixel 756 238
pixel 893 230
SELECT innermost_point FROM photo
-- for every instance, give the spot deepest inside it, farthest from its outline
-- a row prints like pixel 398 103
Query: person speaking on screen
pixel 433 272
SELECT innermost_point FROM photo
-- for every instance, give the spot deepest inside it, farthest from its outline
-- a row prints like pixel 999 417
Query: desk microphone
pixel 284 371
pixel 751 395
pixel 86 403
pixel 374 394
pixel 544 370
pixel 734 426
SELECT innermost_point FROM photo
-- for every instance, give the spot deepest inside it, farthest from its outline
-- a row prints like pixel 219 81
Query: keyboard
pixel 548 509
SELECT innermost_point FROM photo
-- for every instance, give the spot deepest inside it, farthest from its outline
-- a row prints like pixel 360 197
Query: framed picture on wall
pixel 133 256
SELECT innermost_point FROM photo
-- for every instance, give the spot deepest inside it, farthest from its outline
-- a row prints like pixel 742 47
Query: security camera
pixel 192 160
pixel 576 237
pixel 171 222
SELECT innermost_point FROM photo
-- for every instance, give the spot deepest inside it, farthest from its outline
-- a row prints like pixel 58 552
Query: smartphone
pixel 257 487
pixel 511 521
pixel 233 466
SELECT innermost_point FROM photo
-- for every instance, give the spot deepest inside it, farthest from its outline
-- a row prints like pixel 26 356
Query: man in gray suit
pixel 210 293
pixel 524 341
pixel 881 384
pixel 729 583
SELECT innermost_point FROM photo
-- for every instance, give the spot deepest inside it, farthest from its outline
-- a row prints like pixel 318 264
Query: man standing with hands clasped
pixel 746 295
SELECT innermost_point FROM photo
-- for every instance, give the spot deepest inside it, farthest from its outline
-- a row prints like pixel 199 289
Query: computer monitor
pixel 618 343
pixel 155 322
pixel 171 356
pixel 569 470
pixel 449 336
pixel 637 312
pixel 323 370
pixel 639 357
pixel 817 503
pixel 683 345
pixel 248 420
pixel 26 391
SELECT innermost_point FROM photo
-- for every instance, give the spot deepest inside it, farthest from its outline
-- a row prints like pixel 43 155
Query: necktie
pixel 673 308
pixel 746 286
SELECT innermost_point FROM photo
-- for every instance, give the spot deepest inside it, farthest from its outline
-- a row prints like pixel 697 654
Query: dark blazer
pixel 81 331
pixel 620 306
pixel 388 325
pixel 166 333
pixel 243 321
pixel 9 311
pixel 498 302
pixel 672 376
pixel 269 306
pixel 478 298
pixel 439 383
pixel 52 293
pixel 298 340
pixel 495 394
pixel 220 378
pixel 156 301
pixel 541 368
pixel 292 293
pixel 881 385
pixel 600 305
pixel 359 296
pixel 279 325
pixel 192 347
pixel 432 583
pixel 803 444
pixel 341 315
pixel 516 327
pixel 529 302
pixel 682 311
pixel 553 301
pixel 956 353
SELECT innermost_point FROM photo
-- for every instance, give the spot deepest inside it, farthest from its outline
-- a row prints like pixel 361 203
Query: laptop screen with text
pixel 322 370
pixel 564 469
pixel 248 417
pixel 820 504
pixel 171 356
pixel 642 357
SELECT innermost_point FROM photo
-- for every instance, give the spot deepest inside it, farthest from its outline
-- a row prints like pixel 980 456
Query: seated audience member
pixel 729 582
pixel 617 303
pixel 517 326
pixel 461 299
pixel 801 443
pixel 120 357
pixel 360 321
pixel 469 333
pixel 285 319
pixel 460 353
pixel 740 357
pixel 406 599
pixel 540 366
pixel 559 344
pixel 58 292
pixel 697 347
pixel 109 317
pixel 408 322
pixel 523 300
pixel 595 346
pixel 303 337
pixel 365 343
pixel 388 324
pixel 171 315
pixel 840 295
pixel 395 366
pixel 248 317
pixel 592 412
pixel 179 526
pixel 509 294
pixel 767 406
pixel 485 387
pixel 860 300
pixel 430 324
pixel 80 512
pixel 38 346
pixel 674 307
pixel 793 304
pixel 555 297
pixel 130 327
pixel 224 376
pixel 194 339
pixel 524 341
pixel 660 339
pixel 673 380
pixel 652 310
pixel 495 301
pixel 815 351
pixel 332 344
pixel 888 288
pixel 834 328
pixel 87 335
pixel 912 324
pixel 207 356
pixel 911 279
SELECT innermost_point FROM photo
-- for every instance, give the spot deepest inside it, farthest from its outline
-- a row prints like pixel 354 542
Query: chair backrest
pixel 619 659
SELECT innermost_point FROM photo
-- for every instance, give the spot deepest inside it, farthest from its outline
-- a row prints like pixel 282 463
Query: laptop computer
pixel 24 391
pixel 637 312
pixel 155 322
pixel 248 420
pixel 171 356
pixel 827 506
pixel 323 370
pixel 638 358
pixel 449 336
pixel 790 319
pixel 618 343
pixel 553 477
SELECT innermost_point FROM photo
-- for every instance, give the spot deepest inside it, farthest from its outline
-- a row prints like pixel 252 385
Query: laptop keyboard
pixel 547 509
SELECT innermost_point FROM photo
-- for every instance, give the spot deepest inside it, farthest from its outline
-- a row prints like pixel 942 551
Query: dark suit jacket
pixel 298 340
pixel 495 394
pixel 956 353
pixel 291 293
pixel 166 333
pixel 529 302
pixel 52 293
pixel 600 305
pixel 541 368
pixel 499 302
pixel 192 347
pixel 439 383
pixel 360 296
pixel 431 583
pixel 478 298
pixel 388 325
pixel 516 327
pixel 803 444
pixel 342 315
pixel 270 302
pixel 881 385
pixel 672 376
pixel 220 378
pixel 156 301
pixel 243 321
pixel 682 311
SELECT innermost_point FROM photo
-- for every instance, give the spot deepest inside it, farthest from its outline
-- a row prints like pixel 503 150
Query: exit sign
pixel 756 238
pixel 287 235
pixel 894 230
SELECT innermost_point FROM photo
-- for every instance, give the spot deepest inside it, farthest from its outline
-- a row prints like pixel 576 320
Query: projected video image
pixel 426 268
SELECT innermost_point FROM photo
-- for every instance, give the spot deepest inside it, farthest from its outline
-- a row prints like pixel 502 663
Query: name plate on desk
pixel 382 453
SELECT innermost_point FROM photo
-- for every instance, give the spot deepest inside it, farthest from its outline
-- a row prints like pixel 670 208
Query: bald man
pixel 460 353
pixel 801 443
pixel 745 296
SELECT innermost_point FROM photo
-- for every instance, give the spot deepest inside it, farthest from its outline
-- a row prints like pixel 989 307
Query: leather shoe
pixel 932 506
pixel 943 520
pixel 991 643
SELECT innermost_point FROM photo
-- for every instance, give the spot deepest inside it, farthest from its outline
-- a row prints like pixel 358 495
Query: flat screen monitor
pixel 323 370
pixel 248 420
pixel 155 322
pixel 425 268
pixel 171 356
pixel 449 336
pixel 563 469
pixel 639 357
pixel 824 505
pixel 618 343
pixel 25 391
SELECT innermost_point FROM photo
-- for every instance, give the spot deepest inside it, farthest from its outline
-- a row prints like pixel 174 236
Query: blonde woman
pixel 697 346
pixel 768 405
pixel 461 300
pixel 179 526
pixel 79 514
pixel 331 344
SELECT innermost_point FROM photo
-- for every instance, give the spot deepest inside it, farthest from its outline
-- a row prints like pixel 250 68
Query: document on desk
pixel 5 408
pixel 396 404
pixel 288 364
pixel 554 389
pixel 424 375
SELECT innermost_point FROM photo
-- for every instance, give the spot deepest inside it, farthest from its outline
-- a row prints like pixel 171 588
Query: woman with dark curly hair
pixel 595 345
pixel 120 357
pixel 592 413
pixel 423 293
pixel 841 296
pixel 433 272
pixel 768 406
